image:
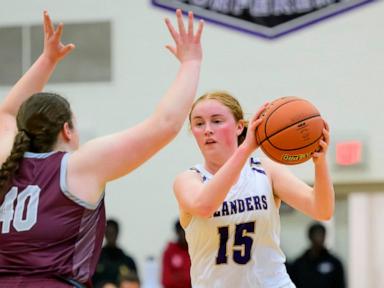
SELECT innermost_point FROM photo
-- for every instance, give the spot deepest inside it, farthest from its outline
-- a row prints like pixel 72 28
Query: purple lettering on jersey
pixel 242 205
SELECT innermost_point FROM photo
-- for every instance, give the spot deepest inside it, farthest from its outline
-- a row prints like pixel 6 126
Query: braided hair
pixel 39 122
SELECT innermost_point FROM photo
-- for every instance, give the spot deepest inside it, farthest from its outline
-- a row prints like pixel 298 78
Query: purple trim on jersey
pixel 254 161
pixel 255 166
pixel 203 177
pixel 258 170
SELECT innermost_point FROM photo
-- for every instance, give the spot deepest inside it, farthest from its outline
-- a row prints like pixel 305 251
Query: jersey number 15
pixel 242 244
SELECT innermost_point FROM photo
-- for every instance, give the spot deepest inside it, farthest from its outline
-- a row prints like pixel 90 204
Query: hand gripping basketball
pixel 291 130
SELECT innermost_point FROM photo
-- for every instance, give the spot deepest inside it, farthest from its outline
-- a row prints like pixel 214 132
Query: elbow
pixel 203 210
pixel 323 217
pixel 324 214
pixel 170 127
pixel 206 213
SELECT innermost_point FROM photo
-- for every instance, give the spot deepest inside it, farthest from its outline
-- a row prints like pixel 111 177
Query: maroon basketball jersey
pixel 45 231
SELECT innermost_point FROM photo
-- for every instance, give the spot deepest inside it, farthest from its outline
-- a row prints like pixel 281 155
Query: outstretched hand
pixel 250 139
pixel 324 143
pixel 54 49
pixel 187 42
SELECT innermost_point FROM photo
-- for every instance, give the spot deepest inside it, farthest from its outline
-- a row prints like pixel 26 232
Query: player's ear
pixel 240 127
pixel 67 132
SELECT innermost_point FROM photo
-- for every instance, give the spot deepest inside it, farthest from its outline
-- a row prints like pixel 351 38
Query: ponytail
pixel 21 144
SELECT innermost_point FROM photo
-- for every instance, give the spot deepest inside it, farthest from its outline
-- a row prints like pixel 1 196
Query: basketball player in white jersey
pixel 229 205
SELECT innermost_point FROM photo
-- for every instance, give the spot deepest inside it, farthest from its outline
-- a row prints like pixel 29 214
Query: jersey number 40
pixel 22 216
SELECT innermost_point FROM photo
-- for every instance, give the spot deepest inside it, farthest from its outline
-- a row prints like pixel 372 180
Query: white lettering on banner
pixel 282 7
pixel 303 6
pixel 239 6
pixel 259 8
pixel 266 18
pixel 223 6
pixel 322 3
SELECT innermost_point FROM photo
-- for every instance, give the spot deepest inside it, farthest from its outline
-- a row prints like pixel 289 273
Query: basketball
pixel 290 131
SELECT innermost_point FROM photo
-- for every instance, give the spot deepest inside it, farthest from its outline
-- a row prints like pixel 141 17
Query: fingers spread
pixel 67 49
pixel 171 49
pixel 180 22
pixel 190 24
pixel 172 30
pixel 59 32
pixel 48 26
pixel 199 31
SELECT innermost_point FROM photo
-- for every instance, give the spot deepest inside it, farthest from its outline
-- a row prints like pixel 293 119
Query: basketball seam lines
pixel 266 119
pixel 278 131
pixel 317 139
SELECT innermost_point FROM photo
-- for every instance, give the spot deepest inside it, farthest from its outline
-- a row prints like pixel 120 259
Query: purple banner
pixel 266 18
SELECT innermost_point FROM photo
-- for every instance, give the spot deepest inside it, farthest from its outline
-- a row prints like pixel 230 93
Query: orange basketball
pixel 291 130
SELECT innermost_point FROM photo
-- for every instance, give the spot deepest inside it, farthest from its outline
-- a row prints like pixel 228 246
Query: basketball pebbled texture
pixel 291 130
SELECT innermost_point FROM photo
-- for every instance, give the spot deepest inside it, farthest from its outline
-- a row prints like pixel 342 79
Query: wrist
pixel 245 149
pixel 320 162
pixel 47 60
pixel 191 62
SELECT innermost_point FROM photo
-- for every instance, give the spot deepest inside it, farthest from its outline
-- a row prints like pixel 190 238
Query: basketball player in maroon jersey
pixel 52 215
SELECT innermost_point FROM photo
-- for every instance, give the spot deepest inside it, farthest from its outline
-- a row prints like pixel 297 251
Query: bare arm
pixel 31 82
pixel 110 157
pixel 37 76
pixel 318 201
pixel 196 198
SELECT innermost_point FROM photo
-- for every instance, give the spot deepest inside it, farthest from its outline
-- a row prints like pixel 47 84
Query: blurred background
pixel 120 69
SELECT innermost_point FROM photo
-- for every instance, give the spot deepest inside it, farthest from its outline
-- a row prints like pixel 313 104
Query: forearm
pixel 214 192
pixel 324 195
pixel 175 105
pixel 31 82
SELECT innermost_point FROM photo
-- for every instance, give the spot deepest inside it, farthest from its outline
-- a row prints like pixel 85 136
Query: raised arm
pixel 37 76
pixel 107 158
pixel 318 201
pixel 31 82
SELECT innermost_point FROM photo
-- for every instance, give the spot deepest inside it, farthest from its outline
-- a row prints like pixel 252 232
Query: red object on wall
pixel 349 153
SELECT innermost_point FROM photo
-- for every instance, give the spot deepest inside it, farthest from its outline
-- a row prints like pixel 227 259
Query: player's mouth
pixel 209 141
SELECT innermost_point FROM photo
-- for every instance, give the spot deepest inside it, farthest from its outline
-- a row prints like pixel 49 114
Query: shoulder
pixel 334 258
pixel 189 174
pixel 170 246
pixel 301 258
pixel 268 164
pixel 274 169
pixel 129 258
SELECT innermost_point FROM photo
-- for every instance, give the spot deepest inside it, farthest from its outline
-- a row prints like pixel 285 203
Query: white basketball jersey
pixel 238 247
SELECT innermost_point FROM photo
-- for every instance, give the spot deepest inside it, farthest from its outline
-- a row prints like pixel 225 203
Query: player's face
pixel 215 128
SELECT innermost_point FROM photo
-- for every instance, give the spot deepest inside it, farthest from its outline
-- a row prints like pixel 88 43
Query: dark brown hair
pixel 39 122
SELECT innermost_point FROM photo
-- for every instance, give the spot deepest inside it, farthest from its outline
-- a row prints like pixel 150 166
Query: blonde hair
pixel 229 101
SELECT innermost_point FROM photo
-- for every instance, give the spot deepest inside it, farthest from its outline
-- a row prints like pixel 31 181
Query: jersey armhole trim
pixel 64 186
